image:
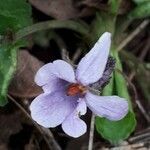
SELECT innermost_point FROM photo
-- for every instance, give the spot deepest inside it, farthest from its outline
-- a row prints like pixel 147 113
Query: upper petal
pixel 74 126
pixel 51 71
pixel 92 65
pixel 50 110
pixel 111 107
pixel 64 71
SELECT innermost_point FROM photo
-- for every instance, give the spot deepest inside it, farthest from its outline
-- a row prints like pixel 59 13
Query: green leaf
pixel 103 22
pixel 14 15
pixel 140 11
pixel 116 131
pixel 120 82
pixel 8 54
pixel 108 90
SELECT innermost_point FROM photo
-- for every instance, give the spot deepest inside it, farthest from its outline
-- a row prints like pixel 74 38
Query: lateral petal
pixel 112 107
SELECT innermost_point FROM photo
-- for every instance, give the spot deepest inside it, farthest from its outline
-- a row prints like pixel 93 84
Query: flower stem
pixel 91 136
pixel 53 24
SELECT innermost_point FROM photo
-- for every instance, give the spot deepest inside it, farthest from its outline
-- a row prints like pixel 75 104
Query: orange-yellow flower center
pixel 75 88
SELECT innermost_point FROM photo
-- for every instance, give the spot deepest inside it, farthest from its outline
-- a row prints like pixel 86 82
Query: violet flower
pixel 67 92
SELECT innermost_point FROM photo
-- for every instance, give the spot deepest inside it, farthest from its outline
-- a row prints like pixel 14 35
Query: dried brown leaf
pixel 22 84
pixel 9 125
pixel 61 9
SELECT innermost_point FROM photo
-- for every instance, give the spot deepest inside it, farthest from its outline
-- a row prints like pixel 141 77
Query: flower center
pixel 75 88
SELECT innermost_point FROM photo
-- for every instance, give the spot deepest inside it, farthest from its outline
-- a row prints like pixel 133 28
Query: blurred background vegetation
pixel 35 32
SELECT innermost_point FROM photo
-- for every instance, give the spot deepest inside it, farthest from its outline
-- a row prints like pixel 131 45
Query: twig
pixel 143 131
pixel 76 55
pixel 51 143
pixel 51 139
pixel 145 49
pixel 91 136
pixel 143 110
pixel 140 68
pixel 137 101
pixel 140 137
pixel 133 34
pixel 132 75
pixel 65 55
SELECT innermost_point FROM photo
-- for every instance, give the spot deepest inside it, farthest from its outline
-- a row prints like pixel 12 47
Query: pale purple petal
pixel 91 67
pixel 111 107
pixel 64 71
pixel 43 75
pixel 81 107
pixel 54 85
pixel 52 71
pixel 74 126
pixel 50 110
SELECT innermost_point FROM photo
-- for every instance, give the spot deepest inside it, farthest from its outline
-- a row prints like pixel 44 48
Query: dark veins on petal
pixel 104 80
